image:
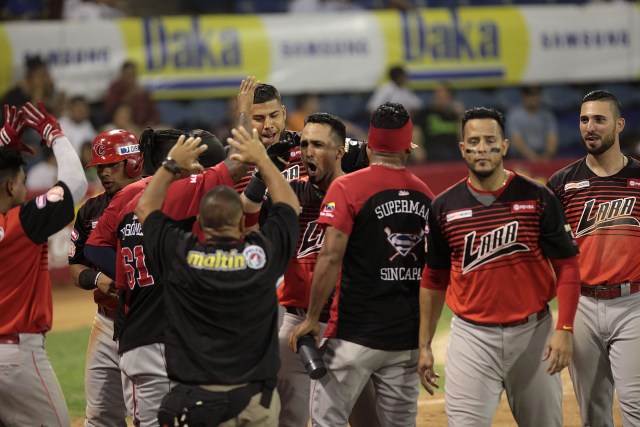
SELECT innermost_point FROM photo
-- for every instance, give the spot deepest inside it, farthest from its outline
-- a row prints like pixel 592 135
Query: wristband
pixel 255 190
pixel 171 165
pixel 88 279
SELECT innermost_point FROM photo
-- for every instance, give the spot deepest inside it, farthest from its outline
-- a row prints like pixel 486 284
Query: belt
pixel 531 318
pixel 10 339
pixel 107 312
pixel 302 312
pixel 610 291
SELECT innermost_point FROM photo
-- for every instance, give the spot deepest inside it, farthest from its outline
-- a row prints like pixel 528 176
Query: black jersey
pixel 384 212
pixel 498 250
pixel 604 214
pixel 221 298
pixel 86 221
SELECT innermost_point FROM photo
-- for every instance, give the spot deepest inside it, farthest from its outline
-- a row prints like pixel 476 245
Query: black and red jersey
pixel 384 212
pixel 86 222
pixel 143 304
pixel 604 214
pixel 497 248
pixel 294 170
pixel 25 284
pixel 294 291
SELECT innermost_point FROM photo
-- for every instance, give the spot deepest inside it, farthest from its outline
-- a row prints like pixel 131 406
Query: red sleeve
pixel 105 232
pixel 184 195
pixel 568 290
pixel 436 279
pixel 336 210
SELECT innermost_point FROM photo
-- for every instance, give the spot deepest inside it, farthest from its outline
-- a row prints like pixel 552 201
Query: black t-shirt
pixel 220 298
pixel 441 133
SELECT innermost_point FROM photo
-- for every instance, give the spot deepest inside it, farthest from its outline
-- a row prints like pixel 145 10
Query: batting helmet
pixel 115 146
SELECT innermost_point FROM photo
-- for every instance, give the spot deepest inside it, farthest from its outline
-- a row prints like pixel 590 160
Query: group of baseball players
pixel 194 247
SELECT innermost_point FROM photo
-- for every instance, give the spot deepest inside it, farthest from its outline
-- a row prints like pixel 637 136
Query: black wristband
pixel 171 165
pixel 255 189
pixel 88 278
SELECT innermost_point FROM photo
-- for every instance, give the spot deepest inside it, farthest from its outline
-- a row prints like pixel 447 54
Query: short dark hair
pixel 220 208
pixel 397 72
pixel 155 145
pixel 128 64
pixel 265 93
pixel 10 163
pixel 483 113
pixel 215 151
pixel 33 63
pixel 603 95
pixel 336 125
pixel 531 90
pixel 390 115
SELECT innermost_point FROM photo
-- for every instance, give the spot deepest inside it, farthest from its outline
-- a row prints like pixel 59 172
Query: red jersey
pixel 497 246
pixel 604 215
pixel 25 285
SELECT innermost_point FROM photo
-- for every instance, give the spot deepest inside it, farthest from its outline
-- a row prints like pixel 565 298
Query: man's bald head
pixel 221 211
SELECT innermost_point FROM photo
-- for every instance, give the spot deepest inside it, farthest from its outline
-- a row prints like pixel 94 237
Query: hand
pixel 43 122
pixel 428 376
pixel 306 327
pixel 245 94
pixel 185 152
pixel 248 148
pixel 107 286
pixel 558 351
pixel 11 132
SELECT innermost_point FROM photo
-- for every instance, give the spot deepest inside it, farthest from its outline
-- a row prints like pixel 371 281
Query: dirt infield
pixel 74 308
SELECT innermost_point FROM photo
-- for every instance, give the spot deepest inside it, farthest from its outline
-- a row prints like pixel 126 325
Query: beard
pixel 607 142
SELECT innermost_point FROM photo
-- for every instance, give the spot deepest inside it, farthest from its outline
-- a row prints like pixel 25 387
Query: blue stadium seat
pixel 479 98
pixel 173 112
pixel 628 94
pixel 562 97
pixel 205 112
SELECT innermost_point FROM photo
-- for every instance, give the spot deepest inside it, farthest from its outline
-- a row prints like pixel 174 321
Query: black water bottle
pixel 310 357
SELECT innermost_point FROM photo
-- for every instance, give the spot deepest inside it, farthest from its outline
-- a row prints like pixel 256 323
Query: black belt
pixel 107 312
pixel 302 312
pixel 531 318
pixel 609 291
pixel 10 339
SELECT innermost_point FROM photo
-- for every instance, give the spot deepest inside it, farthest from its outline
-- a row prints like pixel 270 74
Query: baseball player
pixel 599 194
pixel 119 163
pixel 490 238
pixel 222 315
pixel 322 145
pixel 140 322
pixel 30 394
pixel 372 333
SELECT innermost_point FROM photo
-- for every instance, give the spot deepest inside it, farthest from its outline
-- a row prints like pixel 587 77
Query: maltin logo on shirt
pixel 526 206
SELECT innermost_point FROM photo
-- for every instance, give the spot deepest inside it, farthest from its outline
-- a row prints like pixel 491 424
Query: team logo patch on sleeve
pixel 633 182
pixel 327 209
pixel 526 206
pixel 576 185
pixel 459 215
pixel 74 235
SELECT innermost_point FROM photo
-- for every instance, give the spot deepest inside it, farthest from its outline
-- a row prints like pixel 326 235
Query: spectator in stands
pixel 532 127
pixel 396 91
pixel 127 90
pixel 310 6
pixel 43 174
pixel 122 118
pixel 36 85
pixel 85 158
pixel 76 123
pixel 306 104
pixel 438 126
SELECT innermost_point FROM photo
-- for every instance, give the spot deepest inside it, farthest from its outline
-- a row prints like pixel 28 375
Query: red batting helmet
pixel 114 146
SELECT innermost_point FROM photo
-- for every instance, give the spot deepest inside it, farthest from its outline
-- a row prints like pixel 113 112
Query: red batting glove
pixel 11 132
pixel 43 122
